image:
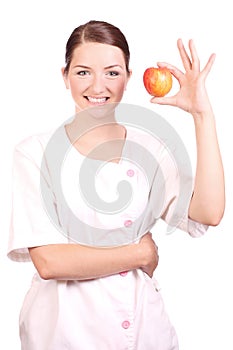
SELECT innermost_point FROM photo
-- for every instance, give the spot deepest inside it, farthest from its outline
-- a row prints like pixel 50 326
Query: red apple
pixel 157 81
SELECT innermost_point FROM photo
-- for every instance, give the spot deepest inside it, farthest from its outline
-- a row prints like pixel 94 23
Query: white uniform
pixel 119 312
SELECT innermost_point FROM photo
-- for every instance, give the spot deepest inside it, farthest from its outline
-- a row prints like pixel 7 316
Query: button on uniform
pixel 128 223
pixel 130 172
pixel 125 324
pixel 123 273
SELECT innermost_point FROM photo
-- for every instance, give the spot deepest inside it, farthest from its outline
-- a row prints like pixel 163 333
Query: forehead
pixel 95 52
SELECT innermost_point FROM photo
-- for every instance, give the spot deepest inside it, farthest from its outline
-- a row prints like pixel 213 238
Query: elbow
pixel 44 270
pixel 45 273
pixel 210 215
pixel 215 218
pixel 215 222
pixel 209 218
pixel 42 263
pixel 215 211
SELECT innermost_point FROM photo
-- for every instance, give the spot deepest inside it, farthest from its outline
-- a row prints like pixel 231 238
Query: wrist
pixel 134 256
pixel 205 115
pixel 141 255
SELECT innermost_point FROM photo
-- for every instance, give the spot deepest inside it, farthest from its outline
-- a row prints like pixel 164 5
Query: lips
pixel 96 100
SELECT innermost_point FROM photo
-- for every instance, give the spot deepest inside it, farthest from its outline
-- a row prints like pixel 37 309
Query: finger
pixel 163 65
pixel 171 100
pixel 184 56
pixel 177 73
pixel 194 56
pixel 208 65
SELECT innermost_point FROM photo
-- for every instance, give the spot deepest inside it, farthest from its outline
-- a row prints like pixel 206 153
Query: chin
pixel 101 111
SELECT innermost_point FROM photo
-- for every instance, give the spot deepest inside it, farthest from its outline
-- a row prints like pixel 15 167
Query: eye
pixel 82 73
pixel 113 73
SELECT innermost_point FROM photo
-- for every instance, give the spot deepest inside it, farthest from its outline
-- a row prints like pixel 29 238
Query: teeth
pixel 97 100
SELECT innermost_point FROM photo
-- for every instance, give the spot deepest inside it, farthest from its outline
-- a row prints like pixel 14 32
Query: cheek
pixel 121 86
pixel 77 88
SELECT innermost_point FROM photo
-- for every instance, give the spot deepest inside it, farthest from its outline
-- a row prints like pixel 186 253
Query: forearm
pixel 77 262
pixel 208 201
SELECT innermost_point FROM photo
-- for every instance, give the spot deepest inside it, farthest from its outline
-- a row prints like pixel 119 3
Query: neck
pixel 97 119
pixel 87 131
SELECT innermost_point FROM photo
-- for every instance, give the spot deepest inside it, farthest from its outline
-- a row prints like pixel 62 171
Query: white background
pixel 195 274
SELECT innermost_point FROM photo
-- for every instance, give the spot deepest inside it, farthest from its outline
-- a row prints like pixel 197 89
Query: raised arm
pixel 208 201
pixel 78 262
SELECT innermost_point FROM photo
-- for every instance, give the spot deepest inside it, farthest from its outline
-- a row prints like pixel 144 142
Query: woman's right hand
pixel 150 254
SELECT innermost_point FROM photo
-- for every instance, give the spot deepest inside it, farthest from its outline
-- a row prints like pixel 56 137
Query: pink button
pixel 125 324
pixel 130 172
pixel 123 273
pixel 128 223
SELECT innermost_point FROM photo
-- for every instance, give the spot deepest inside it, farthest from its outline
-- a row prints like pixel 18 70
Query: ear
pixel 128 77
pixel 130 73
pixel 64 75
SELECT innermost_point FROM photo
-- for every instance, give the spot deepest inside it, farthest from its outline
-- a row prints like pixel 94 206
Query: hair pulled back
pixel 98 32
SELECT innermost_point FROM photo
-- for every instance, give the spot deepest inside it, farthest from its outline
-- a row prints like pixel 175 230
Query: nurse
pixel 87 294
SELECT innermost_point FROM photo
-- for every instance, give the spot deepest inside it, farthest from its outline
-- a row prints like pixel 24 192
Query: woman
pixel 94 293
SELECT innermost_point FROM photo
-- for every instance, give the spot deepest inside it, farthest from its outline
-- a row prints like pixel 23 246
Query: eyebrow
pixel 108 67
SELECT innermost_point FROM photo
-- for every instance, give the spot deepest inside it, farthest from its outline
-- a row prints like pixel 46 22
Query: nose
pixel 98 84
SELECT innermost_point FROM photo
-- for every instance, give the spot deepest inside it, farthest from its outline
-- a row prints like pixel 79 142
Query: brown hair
pixel 98 32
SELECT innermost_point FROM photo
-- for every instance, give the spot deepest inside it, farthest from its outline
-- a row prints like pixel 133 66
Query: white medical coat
pixel 119 312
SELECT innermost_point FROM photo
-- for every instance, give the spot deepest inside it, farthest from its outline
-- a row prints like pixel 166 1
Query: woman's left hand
pixel 192 96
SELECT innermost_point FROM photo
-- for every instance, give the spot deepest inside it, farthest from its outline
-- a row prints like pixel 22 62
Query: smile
pixel 97 100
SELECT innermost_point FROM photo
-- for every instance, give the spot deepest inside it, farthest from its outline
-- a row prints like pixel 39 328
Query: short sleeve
pixel 178 192
pixel 30 225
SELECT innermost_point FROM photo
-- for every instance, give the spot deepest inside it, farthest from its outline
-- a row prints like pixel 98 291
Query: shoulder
pixel 36 145
pixel 148 141
pixel 34 142
pixel 44 150
pixel 30 150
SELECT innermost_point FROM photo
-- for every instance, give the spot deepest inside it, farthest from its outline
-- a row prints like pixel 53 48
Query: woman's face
pixel 97 75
